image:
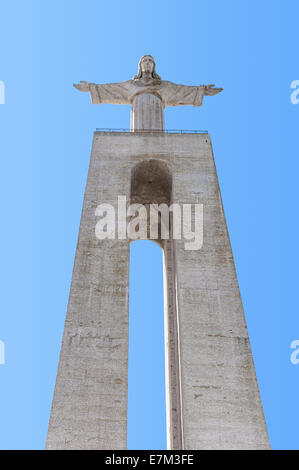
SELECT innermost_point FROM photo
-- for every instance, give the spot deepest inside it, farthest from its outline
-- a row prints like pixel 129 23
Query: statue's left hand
pixel 209 90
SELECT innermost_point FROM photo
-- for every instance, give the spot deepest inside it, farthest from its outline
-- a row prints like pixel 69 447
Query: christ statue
pixel 148 95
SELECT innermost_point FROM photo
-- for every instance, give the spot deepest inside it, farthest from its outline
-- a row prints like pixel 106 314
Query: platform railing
pixel 167 131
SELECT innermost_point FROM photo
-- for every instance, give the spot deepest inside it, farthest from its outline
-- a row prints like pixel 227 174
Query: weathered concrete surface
pixel 214 382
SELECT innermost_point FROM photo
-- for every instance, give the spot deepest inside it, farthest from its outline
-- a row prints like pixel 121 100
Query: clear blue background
pixel 248 47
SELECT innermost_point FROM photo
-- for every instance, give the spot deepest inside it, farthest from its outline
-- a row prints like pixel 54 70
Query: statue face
pixel 147 65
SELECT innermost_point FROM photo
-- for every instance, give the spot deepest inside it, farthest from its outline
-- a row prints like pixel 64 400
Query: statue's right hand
pixel 82 86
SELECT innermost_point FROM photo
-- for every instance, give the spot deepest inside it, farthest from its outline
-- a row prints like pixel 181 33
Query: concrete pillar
pixel 89 408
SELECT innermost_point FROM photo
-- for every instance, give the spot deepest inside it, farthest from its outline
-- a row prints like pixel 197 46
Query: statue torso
pixel 147 105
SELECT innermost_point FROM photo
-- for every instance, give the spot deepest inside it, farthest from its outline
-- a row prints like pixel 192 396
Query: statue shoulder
pixel 167 83
pixel 171 86
pixel 125 84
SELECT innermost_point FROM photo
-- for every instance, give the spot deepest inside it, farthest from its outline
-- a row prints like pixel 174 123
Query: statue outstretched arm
pixel 176 95
pixel 115 93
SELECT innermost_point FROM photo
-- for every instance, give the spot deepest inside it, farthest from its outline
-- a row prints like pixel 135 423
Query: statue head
pixel 147 65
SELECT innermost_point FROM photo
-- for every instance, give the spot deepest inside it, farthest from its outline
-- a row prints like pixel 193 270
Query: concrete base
pixel 213 397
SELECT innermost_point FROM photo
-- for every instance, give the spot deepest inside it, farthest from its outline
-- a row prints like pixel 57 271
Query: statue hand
pixel 209 90
pixel 82 86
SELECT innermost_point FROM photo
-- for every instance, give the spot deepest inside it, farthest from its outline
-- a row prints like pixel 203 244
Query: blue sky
pixel 247 47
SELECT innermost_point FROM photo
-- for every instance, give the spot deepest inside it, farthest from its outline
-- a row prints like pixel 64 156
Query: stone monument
pixel 213 399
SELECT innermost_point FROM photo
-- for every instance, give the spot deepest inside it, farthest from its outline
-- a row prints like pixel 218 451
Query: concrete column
pixel 89 408
pixel 172 360
pixel 221 406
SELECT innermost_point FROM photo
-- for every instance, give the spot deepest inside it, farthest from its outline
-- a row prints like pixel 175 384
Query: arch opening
pixel 146 375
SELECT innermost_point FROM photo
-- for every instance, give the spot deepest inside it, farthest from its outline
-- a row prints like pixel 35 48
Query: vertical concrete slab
pixel 89 408
pixel 221 406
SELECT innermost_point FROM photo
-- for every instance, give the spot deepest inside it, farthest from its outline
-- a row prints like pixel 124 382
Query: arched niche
pixel 151 183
